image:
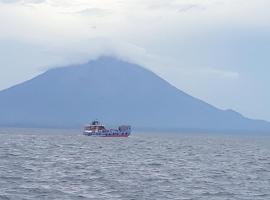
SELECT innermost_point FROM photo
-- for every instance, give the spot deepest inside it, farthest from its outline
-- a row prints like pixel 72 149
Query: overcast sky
pixel 216 50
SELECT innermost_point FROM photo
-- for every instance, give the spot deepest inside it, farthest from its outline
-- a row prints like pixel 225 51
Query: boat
pixel 96 129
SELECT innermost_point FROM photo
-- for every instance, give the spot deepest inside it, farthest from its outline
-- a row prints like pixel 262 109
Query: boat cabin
pixel 95 126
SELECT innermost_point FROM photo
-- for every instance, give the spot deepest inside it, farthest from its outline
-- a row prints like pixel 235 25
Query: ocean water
pixel 46 164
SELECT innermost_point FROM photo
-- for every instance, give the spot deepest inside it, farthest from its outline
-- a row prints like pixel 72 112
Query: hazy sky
pixel 216 50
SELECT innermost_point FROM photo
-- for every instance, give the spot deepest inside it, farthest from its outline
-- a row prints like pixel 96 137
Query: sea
pixel 64 164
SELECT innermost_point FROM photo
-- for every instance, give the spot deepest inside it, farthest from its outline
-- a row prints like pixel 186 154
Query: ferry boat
pixel 95 128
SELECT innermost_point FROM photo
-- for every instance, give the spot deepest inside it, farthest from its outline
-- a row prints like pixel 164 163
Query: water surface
pixel 61 164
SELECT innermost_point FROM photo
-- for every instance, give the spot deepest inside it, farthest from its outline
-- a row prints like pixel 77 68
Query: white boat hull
pixel 107 133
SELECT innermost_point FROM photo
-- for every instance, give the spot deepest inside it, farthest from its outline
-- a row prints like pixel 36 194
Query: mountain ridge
pixel 115 92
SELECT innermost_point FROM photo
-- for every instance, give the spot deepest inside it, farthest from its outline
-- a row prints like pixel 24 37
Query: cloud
pixel 9 1
pixel 220 73
pixel 178 6
pixel 189 7
pixel 129 27
pixel 22 1
pixel 89 12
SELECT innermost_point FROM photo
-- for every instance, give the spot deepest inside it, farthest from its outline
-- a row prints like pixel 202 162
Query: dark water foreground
pixel 67 165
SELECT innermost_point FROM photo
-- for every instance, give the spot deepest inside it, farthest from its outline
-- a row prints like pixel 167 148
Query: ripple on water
pixel 45 166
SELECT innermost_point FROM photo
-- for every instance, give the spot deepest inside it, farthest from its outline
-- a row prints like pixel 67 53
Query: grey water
pixel 63 164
